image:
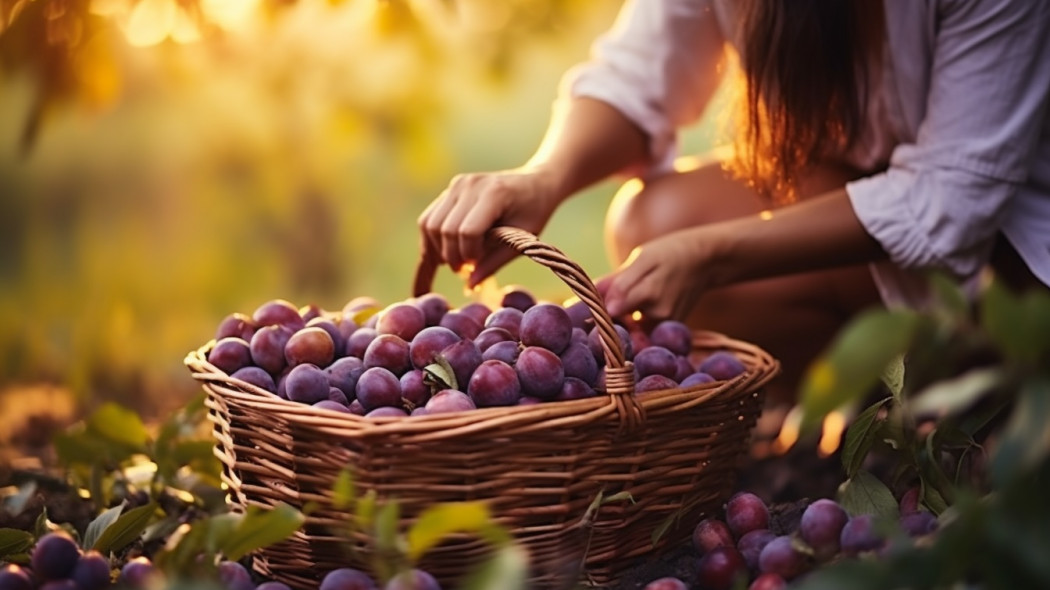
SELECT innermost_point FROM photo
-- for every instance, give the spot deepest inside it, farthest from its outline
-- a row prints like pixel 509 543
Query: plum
pixel 494 383
pixel 311 345
pixel 751 545
pixel 306 384
pixel 668 583
pixel 54 556
pixel 92 571
pixel 278 312
pixel 235 576
pixel 722 365
pixel 768 581
pixel 746 512
pixel 547 325
pixel 414 579
pixel 710 533
pixel 403 320
pixel 673 335
pixel 230 354
pixel 859 536
pixel 449 400
pixel 821 527
pixel 347 579
pixel 781 557
pixel 721 568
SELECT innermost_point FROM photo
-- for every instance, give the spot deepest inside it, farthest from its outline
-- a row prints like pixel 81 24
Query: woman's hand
pixel 453 226
pixel 662 278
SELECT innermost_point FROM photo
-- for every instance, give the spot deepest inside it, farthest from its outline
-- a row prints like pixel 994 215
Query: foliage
pixel 285 152
pixel 392 550
pixel 964 416
pixel 113 456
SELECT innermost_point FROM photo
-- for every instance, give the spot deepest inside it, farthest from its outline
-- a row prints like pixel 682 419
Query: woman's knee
pixel 643 210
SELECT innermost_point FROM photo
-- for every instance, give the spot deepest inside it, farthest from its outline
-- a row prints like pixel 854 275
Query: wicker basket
pixel 538 466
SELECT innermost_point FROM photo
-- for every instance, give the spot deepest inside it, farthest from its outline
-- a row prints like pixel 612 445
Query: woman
pixel 876 140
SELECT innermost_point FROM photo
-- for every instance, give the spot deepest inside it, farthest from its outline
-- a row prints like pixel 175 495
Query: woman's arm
pixel 664 278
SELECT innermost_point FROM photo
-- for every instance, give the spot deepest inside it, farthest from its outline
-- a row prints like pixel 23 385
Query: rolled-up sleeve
pixel 944 196
pixel 658 65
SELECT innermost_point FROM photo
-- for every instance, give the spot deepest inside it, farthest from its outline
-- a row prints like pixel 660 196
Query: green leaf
pixel 893 376
pixel 42 525
pixel 343 490
pixel 87 448
pixel 441 520
pixel 663 527
pixel 860 436
pixel 261 528
pixel 949 297
pixel 100 524
pixel 1019 326
pixel 126 529
pixel 854 363
pixel 365 511
pixel 953 396
pixel 1026 437
pixel 14 542
pixel 933 499
pixel 507 569
pixel 386 526
pixel 865 494
pixel 119 424
pixel 441 372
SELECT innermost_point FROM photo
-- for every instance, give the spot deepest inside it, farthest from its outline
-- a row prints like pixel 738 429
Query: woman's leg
pixel 792 317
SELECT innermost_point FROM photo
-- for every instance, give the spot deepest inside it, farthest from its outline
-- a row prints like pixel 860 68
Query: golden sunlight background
pixel 166 162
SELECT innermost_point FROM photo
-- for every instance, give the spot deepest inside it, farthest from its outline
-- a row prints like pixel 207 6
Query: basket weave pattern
pixel 539 467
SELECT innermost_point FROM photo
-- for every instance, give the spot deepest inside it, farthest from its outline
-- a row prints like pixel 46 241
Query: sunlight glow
pixel 151 22
pixel 765 215
pixel 831 433
pixel 788 431
pixel 230 14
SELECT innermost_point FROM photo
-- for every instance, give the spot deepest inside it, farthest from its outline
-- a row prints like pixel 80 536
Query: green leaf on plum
pixel 866 494
pixel 260 528
pixel 1026 437
pixel 953 396
pixel 441 520
pixel 119 425
pixel 441 371
pixel 101 523
pixel 1019 325
pixel 860 436
pixel 14 542
pixel 125 529
pixel 343 490
pixel 854 362
pixel 507 569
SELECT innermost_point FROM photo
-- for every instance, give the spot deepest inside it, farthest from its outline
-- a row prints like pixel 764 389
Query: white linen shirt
pixel 957 123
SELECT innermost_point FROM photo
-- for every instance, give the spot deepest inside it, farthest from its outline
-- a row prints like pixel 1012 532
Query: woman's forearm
pixel 817 233
pixel 587 141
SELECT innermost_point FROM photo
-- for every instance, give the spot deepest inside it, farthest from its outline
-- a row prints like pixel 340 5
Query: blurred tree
pixel 166 162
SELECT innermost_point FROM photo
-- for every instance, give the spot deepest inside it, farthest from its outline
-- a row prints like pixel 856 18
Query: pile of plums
pixel 420 356
pixel 58 563
pixel 741 548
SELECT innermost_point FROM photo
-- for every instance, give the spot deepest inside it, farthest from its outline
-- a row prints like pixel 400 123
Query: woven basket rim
pixel 760 370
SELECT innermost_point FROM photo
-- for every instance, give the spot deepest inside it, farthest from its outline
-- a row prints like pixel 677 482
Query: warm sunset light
pixel 151 22
pixel 230 14
pixel 831 433
pixel 765 215
pixel 789 431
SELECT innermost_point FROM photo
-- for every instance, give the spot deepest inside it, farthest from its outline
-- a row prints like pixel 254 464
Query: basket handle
pixel 619 373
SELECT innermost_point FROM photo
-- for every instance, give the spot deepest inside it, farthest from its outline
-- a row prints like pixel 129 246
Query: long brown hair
pixel 805 66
